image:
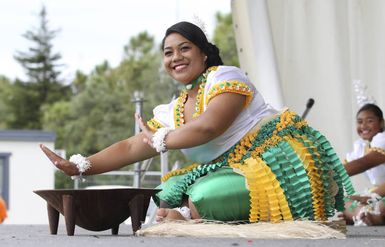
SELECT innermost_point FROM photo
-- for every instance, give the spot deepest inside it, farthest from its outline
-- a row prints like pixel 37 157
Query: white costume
pixel 255 111
pixel 254 170
pixel 361 147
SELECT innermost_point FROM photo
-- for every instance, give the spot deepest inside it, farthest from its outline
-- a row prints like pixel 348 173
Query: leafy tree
pixel 43 85
pixel 79 83
pixel 22 103
pixel 5 87
pixel 225 40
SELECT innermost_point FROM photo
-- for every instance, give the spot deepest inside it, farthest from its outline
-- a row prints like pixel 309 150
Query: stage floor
pixel 38 235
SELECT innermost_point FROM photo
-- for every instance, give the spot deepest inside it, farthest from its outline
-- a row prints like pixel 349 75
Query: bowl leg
pixel 136 206
pixel 53 219
pixel 115 230
pixel 69 213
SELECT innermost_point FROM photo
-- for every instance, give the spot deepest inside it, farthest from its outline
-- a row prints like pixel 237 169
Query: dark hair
pixel 372 108
pixel 194 34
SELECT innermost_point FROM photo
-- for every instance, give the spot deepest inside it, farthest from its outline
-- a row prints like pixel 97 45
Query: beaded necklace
pixel 181 101
pixel 195 82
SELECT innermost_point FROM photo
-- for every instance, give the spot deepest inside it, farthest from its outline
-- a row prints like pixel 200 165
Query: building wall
pixel 29 170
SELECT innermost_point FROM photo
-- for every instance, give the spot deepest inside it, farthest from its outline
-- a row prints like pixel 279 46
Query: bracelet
pixel 158 141
pixel 82 163
pixel 374 198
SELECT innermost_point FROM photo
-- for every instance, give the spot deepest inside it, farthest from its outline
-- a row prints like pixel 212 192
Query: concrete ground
pixel 38 235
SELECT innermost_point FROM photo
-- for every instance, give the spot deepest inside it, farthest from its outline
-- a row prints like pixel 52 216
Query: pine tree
pixel 41 65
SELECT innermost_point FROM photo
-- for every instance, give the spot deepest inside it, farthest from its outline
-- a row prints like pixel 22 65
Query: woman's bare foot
pixel 373 220
pixel 359 216
pixel 163 214
pixel 345 216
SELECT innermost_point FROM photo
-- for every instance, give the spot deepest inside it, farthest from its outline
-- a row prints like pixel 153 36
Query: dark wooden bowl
pixel 96 209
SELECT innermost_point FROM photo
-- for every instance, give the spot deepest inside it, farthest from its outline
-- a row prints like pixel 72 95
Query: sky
pixel 92 31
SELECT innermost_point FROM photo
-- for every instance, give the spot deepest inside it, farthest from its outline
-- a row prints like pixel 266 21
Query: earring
pixel 205 58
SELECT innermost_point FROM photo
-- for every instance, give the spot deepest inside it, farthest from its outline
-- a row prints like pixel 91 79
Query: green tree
pixel 5 87
pixel 22 103
pixel 225 40
pixel 79 83
pixel 43 85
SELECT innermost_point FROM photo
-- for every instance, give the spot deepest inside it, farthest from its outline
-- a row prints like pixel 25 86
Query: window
pixel 4 177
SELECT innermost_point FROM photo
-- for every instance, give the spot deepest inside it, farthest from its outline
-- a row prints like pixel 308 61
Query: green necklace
pixel 195 82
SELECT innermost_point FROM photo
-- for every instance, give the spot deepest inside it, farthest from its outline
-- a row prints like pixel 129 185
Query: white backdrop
pixel 319 47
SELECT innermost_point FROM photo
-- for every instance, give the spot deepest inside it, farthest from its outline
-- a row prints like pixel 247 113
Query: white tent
pixel 296 50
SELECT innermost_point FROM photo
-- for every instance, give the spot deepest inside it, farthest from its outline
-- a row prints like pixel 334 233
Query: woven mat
pixel 284 230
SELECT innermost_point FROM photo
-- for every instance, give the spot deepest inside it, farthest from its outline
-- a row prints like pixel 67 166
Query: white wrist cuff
pixel 82 163
pixel 375 197
pixel 158 141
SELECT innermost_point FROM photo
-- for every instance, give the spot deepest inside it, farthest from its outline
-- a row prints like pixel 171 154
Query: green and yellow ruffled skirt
pixel 281 170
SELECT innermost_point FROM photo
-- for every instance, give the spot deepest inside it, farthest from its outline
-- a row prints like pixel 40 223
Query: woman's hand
pixel 145 130
pixel 361 199
pixel 62 164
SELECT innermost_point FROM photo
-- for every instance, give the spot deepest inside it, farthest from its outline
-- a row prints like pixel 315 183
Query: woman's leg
pixel 163 212
pixel 219 195
pixel 369 219
pixel 166 213
pixel 193 210
pixel 376 219
pixel 163 204
pixel 349 213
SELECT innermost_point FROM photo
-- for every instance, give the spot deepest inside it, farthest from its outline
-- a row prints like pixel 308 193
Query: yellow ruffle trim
pixel 231 87
pixel 154 125
pixel 378 150
pixel 246 142
pixel 178 172
pixel 313 175
pixel 267 198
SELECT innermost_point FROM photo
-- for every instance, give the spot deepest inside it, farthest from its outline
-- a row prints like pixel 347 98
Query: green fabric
pixel 285 175
pixel 228 203
pixel 299 184
pixel 220 194
pixel 292 177
pixel 167 189
pixel 173 191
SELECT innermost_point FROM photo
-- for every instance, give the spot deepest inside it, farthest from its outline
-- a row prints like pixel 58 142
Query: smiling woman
pixel 251 162
pixel 369 151
pixel 368 156
pixel 183 60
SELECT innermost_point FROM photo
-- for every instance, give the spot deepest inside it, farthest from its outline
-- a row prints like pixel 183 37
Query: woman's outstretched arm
pixel 116 156
pixel 222 111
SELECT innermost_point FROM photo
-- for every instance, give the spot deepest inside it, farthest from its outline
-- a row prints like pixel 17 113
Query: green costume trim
pixel 174 197
pixel 271 143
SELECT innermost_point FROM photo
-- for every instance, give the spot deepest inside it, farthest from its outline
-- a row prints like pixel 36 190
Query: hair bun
pixel 212 53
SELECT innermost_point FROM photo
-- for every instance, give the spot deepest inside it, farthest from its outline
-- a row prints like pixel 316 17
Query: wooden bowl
pixel 96 209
